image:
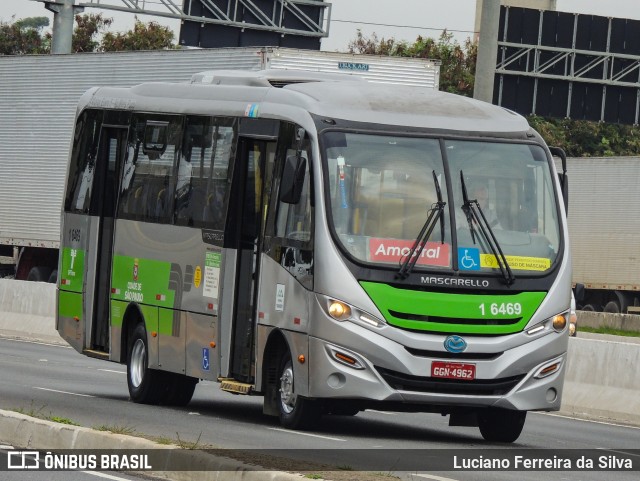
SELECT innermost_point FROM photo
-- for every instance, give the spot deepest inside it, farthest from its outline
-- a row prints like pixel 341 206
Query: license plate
pixel 453 370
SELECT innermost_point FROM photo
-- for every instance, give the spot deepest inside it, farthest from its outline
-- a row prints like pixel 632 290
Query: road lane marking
pixel 112 370
pixel 105 476
pixel 62 392
pixel 307 434
pixel 5 446
pixel 431 476
pixel 589 421
pixel 619 452
pixel 34 342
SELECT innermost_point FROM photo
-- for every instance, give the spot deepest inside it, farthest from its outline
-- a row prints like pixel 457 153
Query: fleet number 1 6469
pixel 504 308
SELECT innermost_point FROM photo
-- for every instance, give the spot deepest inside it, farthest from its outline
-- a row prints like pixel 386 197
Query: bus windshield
pixel 382 188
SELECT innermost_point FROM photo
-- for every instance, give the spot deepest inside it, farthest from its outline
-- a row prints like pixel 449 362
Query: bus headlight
pixel 341 311
pixel 557 323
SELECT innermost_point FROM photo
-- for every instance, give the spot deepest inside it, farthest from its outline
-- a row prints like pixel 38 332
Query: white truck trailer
pixel 605 233
pixel 38 98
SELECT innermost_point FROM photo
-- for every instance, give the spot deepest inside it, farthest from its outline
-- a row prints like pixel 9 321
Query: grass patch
pixel 58 419
pixel 115 429
pixel 39 413
pixel 608 330
pixel 313 476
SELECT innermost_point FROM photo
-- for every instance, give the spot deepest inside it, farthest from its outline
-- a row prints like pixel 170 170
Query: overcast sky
pixel 389 18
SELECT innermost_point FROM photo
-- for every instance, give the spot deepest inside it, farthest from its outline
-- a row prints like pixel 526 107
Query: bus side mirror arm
pixel 563 177
pixel 292 179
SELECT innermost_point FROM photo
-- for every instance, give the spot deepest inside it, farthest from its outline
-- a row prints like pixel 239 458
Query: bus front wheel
pixel 296 412
pixel 145 385
pixel 501 425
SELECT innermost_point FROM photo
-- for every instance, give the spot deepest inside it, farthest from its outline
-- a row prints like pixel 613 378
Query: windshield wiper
pixel 474 213
pixel 436 212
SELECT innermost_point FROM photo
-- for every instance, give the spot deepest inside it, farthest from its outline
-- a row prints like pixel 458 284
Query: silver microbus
pixel 328 243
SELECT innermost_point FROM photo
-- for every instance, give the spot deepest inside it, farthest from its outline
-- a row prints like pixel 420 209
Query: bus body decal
pixel 72 275
pixel 144 281
pixel 455 313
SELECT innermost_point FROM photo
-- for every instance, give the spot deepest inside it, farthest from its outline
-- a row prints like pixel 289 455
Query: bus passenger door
pixel 247 204
pixel 111 151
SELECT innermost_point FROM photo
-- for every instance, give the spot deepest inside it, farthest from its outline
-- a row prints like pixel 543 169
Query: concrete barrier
pixel 602 379
pixel 27 310
pixel 623 322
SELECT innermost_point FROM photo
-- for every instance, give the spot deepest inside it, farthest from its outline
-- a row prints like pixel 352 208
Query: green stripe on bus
pixel 454 313
pixel 70 304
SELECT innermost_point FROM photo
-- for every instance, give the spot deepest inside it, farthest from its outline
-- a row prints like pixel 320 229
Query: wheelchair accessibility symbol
pixel 205 359
pixel 468 259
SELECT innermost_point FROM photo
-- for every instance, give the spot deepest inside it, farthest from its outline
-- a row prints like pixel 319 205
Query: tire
pixel 501 425
pixel 296 412
pixel 53 278
pixel 181 389
pixel 612 306
pixel 146 386
pixel 39 274
pixel 588 308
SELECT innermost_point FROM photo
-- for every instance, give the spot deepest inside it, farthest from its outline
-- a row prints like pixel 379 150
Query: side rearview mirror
pixel 293 179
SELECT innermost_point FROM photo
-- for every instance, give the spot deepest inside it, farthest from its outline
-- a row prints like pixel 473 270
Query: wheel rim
pixel 287 396
pixel 138 362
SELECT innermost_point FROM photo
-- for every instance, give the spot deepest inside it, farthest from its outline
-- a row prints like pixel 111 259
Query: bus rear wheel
pixel 145 385
pixel 296 412
pixel 501 425
pixel 181 389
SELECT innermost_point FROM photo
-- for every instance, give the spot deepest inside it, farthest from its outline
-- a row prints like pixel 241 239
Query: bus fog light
pixel 552 395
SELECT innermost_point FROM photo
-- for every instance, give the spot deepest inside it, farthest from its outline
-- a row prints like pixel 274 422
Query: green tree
pixel 87 28
pixel 458 66
pixel 24 37
pixel 144 36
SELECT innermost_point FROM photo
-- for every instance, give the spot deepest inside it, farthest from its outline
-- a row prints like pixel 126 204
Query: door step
pixel 233 386
pixel 96 354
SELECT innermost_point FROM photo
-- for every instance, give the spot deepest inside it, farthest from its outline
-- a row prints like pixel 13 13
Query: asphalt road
pixel 57 381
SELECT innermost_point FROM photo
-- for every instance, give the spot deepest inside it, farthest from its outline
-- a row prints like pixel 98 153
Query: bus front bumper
pixel 514 380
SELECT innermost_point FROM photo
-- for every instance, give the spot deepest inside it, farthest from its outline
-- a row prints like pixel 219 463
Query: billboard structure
pixel 559 64
pixel 235 23
pixel 250 23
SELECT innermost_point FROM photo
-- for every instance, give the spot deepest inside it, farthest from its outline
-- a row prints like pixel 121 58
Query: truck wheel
pixel 501 425
pixel 146 386
pixel 296 412
pixel 39 274
pixel 53 278
pixel 613 307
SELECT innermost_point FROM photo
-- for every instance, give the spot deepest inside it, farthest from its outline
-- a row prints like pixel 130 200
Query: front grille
pixel 455 320
pixel 477 387
pixel 480 356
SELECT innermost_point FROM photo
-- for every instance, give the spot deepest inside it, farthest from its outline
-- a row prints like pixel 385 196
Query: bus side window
pixel 82 164
pixel 147 177
pixel 203 172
